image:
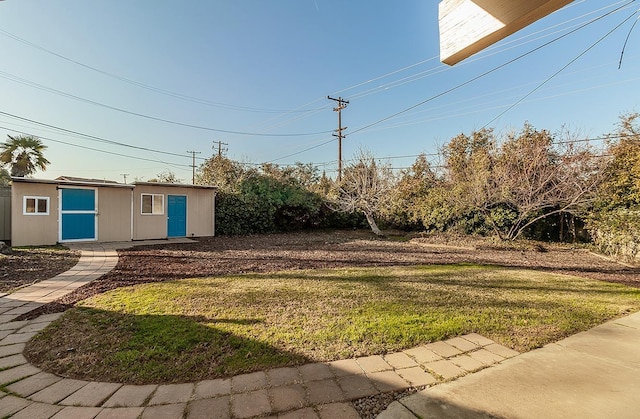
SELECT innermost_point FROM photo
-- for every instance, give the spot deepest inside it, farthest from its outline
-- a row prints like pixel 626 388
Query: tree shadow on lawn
pixel 101 345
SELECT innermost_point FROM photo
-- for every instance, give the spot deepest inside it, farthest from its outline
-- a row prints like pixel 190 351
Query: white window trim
pixel 153 198
pixel 37 198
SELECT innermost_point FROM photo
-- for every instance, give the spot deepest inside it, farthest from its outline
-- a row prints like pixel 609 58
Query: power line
pixel 96 149
pixel 473 79
pixel 149 87
pixel 486 73
pixel 548 79
pixel 88 136
pixel 29 83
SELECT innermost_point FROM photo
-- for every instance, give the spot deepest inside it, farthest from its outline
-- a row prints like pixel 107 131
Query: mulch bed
pixel 216 256
pixel 27 266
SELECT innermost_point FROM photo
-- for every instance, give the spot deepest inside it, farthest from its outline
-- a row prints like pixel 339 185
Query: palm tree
pixel 24 154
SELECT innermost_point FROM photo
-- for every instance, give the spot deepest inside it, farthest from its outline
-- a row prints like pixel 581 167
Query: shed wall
pixel 33 230
pixel 114 214
pixel 200 212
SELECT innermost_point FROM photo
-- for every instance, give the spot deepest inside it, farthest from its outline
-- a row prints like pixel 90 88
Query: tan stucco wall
pixel 114 214
pixel 33 230
pixel 200 212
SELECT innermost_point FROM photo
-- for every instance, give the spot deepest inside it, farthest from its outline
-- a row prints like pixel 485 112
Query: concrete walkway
pixel 319 390
pixel 593 374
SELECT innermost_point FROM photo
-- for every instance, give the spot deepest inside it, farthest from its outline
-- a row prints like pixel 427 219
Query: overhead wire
pixel 90 137
pixel 469 81
pixel 97 150
pixel 486 73
pixel 146 86
pixel 26 82
pixel 548 79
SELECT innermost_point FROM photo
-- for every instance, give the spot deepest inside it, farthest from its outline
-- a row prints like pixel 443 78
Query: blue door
pixel 78 214
pixel 176 215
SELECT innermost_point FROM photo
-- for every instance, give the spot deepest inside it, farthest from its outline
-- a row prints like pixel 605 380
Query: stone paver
pixel 248 382
pixel 306 413
pixel 338 410
pixel 167 411
pixel 443 349
pixel 250 404
pixel 400 360
pixel 37 411
pixel 13 325
pixel 12 349
pixel 462 344
pixel 16 373
pixel 35 327
pixel 387 381
pixel 212 388
pixel 502 351
pixel 73 412
pixel 11 404
pixel 130 396
pixel 486 357
pixel 467 363
pixel 357 386
pixel 315 372
pixel 478 339
pixel 345 367
pixel 374 363
pixel 58 391
pixel 325 391
pixel 422 355
pixel 91 395
pixel 283 376
pixel 416 376
pixel 34 383
pixel 120 413
pixel 445 368
pixel 172 394
pixel 215 408
pixel 288 397
pixel 12 361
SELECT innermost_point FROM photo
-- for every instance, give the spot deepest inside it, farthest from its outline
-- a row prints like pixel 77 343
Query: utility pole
pixel 125 177
pixel 341 105
pixel 193 165
pixel 221 149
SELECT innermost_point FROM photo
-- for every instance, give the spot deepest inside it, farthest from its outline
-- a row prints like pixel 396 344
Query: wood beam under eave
pixel 469 26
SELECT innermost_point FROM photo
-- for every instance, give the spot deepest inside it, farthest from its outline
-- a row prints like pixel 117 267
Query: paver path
pixel 319 390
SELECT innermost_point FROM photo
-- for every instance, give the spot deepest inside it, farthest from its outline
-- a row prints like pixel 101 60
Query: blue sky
pixel 171 77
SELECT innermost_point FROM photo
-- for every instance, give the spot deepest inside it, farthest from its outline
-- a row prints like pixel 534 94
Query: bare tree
pixel 365 188
pixel 539 179
pixel 525 179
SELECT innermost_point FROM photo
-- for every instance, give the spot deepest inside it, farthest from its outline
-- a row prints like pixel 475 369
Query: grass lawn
pixel 196 329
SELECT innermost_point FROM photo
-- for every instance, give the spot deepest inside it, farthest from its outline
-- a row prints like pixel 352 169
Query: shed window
pixel 152 204
pixel 36 205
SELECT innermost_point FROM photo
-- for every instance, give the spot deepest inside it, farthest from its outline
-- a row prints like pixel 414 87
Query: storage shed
pixel 46 212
